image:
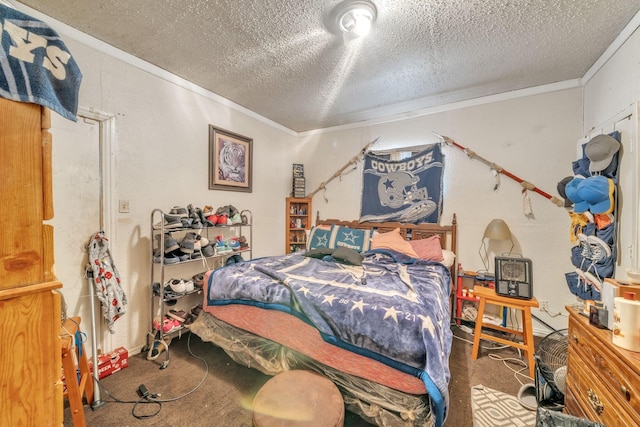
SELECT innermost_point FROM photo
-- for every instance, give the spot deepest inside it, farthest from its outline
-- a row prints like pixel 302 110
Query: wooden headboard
pixel 447 233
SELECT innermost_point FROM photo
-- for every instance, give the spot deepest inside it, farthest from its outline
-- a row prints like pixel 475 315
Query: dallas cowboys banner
pixel 408 190
pixel 35 64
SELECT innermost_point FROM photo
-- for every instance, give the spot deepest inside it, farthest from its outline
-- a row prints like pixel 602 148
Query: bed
pixel 376 323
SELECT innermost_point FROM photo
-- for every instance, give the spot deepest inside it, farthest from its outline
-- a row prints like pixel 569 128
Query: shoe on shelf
pixel 233 243
pixel 211 220
pixel 167 325
pixel 179 315
pixel 198 280
pixel 222 248
pixel 187 245
pixel 177 286
pixel 179 211
pixel 208 251
pixel 190 319
pixel 207 210
pixel 193 214
pixel 188 285
pixel 170 244
pixel 171 258
pixel 196 309
pixel 182 256
pixel 235 219
pixel 186 222
pixel 222 219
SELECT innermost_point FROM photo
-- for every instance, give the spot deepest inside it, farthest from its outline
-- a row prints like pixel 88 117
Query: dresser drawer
pixel 571 404
pixel 616 377
pixel 595 400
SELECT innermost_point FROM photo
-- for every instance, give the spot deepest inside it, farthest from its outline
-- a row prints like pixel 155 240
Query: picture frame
pixel 230 161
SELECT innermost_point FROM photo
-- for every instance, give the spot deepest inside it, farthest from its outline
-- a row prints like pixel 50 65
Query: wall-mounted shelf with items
pixel 298 221
pixel 179 256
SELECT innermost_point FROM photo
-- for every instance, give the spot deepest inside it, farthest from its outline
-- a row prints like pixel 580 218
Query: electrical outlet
pixel 123 206
pixel 544 305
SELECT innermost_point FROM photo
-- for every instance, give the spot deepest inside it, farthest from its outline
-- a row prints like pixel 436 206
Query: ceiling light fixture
pixel 355 18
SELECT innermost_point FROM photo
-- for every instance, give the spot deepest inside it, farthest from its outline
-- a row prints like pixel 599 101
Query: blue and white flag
pixel 35 64
pixel 408 190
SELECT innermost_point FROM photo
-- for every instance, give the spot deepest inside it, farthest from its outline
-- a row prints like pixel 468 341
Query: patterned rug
pixel 493 408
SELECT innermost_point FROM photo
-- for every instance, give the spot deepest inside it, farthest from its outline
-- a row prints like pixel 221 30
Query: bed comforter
pixel 393 308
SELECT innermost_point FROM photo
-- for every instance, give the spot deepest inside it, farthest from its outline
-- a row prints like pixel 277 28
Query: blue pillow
pixel 319 238
pixel 351 238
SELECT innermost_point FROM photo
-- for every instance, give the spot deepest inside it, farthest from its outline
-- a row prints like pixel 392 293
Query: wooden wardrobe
pixel 30 356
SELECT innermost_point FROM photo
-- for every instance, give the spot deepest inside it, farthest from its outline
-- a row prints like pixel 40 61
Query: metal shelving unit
pixel 159 270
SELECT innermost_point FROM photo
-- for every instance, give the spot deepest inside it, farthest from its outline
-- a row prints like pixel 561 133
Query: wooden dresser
pixel 30 355
pixel 603 380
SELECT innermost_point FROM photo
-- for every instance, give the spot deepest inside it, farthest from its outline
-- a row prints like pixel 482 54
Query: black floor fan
pixel 551 370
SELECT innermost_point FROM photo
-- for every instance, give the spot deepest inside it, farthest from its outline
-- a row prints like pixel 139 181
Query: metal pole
pixel 97 401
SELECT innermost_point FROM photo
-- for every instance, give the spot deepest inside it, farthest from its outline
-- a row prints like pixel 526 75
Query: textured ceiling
pixel 283 60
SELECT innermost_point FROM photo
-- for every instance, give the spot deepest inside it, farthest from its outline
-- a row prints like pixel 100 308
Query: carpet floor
pixel 226 392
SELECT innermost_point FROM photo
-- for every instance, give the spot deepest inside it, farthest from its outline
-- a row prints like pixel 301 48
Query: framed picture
pixel 230 160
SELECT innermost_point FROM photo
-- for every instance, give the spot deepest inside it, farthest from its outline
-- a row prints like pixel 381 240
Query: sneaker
pixel 193 214
pixel 222 219
pixel 233 243
pixel 584 245
pixel 243 243
pixel 599 249
pixel 179 211
pixel 198 280
pixel 167 325
pixel 186 222
pixel 190 319
pixel 207 211
pixel 179 315
pixel 235 219
pixel 170 243
pixel 182 256
pixel 171 258
pixel 196 309
pixel 208 251
pixel 189 286
pixel 187 245
pixel 177 286
pixel 222 248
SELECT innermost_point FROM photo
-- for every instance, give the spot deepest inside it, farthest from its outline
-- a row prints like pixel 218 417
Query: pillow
pixel 352 238
pixel 318 252
pixel 449 258
pixel 348 256
pixel 429 248
pixel 393 240
pixel 319 237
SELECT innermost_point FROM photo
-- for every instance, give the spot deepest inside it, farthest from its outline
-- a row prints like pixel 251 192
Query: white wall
pixel 532 137
pixel 161 160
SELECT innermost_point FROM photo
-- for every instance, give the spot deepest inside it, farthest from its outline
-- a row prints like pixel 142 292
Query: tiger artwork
pixel 232 160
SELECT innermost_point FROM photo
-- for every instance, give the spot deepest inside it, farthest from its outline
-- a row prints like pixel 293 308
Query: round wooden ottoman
pixel 298 398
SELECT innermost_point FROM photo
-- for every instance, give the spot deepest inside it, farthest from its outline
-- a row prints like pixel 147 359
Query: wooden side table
pixel 489 296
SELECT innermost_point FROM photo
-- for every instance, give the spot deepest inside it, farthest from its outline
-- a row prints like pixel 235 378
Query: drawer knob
pixel 575 339
pixel 625 393
pixel 594 400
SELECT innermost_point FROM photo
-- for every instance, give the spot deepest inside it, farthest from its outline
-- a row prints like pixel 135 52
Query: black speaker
pixel 514 277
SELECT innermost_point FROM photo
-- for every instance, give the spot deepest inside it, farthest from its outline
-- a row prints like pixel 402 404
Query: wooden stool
pixel 76 388
pixel 298 398
pixel 489 296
